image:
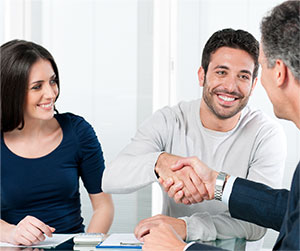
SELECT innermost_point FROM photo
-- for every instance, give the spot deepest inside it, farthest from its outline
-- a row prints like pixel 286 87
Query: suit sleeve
pixel 288 238
pixel 133 168
pixel 200 246
pixel 258 203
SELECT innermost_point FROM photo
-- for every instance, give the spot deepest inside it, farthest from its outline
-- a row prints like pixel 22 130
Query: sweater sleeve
pixel 206 227
pixel 134 166
pixel 268 158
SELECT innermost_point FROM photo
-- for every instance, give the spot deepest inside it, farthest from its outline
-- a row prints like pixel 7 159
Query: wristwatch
pixel 220 182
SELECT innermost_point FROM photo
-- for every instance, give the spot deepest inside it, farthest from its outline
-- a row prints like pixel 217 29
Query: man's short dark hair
pixel 236 39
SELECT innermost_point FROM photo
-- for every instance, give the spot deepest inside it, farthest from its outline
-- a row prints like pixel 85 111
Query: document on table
pixel 49 242
pixel 121 241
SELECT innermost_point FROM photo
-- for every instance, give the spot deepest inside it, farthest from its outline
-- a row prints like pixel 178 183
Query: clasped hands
pixel 186 180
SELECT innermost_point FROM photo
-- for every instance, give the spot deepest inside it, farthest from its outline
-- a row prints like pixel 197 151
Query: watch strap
pixel 220 182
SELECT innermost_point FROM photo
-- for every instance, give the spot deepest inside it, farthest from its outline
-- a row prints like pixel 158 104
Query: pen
pixel 131 243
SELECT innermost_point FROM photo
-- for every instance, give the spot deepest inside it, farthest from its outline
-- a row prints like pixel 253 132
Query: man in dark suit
pixel 247 200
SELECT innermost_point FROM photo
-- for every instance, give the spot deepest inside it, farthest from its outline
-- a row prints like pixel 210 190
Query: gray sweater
pixel 255 149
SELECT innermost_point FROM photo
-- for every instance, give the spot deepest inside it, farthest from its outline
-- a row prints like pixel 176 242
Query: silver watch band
pixel 220 181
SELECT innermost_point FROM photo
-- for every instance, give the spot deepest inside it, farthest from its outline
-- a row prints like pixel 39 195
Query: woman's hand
pixel 28 231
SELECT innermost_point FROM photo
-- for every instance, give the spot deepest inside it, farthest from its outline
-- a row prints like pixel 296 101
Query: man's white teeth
pixel 46 106
pixel 226 98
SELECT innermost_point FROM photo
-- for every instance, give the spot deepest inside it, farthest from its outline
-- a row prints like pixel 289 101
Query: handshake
pixel 186 180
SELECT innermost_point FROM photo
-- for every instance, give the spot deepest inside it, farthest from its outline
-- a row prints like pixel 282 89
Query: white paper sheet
pixel 49 242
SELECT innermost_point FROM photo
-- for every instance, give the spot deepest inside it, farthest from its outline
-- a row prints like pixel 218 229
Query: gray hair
pixel 280 31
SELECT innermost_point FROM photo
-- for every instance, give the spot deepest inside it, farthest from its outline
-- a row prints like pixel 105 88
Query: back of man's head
pixel 281 36
pixel 237 39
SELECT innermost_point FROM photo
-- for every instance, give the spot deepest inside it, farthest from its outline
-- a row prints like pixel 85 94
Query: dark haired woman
pixel 44 153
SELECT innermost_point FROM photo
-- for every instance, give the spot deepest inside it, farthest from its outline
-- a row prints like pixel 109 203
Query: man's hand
pixel 145 226
pixel 207 176
pixel 161 238
pixel 185 178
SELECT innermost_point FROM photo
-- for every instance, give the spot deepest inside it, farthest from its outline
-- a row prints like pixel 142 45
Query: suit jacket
pixel 271 208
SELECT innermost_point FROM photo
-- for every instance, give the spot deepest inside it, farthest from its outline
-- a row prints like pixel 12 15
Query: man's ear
pixel 201 76
pixel 280 70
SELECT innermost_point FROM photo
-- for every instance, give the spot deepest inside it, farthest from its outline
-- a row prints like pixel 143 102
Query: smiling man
pixel 220 129
pixel 227 85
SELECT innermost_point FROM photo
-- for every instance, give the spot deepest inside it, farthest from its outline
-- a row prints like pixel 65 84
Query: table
pixel 235 244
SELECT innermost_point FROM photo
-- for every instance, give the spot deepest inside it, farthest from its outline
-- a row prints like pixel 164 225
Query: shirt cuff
pixel 188 245
pixel 228 189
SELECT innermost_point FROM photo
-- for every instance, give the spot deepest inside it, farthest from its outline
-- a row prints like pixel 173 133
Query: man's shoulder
pixel 182 109
pixel 253 117
pixel 256 124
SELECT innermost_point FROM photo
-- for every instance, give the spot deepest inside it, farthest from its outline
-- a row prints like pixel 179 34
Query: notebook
pixel 122 240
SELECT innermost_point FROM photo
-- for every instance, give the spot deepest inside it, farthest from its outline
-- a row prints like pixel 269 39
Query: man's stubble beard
pixel 208 99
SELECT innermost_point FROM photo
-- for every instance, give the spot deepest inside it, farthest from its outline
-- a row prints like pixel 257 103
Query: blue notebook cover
pixel 127 241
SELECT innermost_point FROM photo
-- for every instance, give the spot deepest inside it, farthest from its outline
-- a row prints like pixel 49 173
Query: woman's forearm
pixel 103 213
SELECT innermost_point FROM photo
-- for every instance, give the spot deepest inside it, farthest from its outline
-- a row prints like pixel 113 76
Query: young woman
pixel 43 153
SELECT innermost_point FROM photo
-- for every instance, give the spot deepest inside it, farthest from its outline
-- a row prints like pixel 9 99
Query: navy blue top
pixel 48 187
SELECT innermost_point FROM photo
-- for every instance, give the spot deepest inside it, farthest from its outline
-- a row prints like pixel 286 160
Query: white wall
pixel 95 44
pixel 100 68
pixel 1 21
